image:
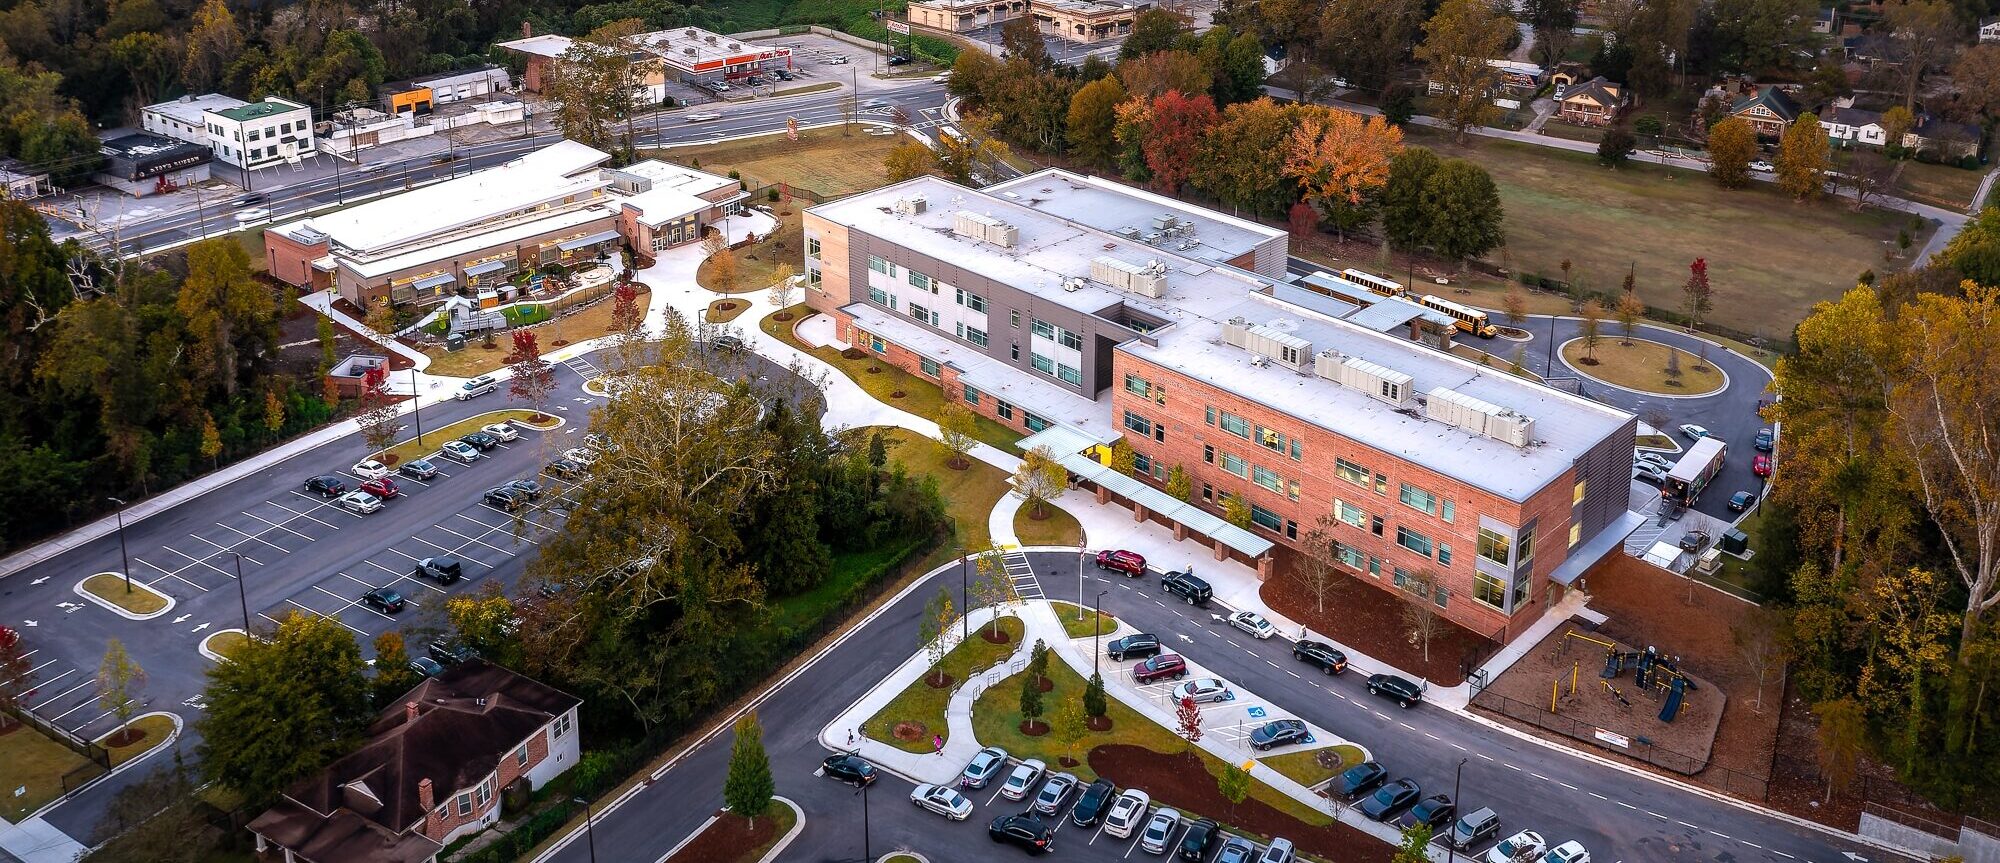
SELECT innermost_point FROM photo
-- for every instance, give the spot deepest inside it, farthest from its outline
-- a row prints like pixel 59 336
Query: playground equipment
pixel 1654 673
pixel 1675 695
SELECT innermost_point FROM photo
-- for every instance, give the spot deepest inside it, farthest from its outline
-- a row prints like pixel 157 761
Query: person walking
pixel 937 741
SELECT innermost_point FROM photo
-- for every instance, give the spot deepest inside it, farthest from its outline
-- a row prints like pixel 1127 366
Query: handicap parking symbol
pixel 1256 713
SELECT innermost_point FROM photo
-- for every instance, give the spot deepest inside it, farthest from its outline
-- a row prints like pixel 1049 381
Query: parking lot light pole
pixel 589 828
pixel 241 595
pixel 867 848
pixel 1096 629
pixel 1079 580
pixel 964 596
pixel 416 402
pixel 124 561
pixel 1451 847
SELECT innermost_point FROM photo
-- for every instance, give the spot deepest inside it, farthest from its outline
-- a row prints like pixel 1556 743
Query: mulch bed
pixel 994 635
pixel 939 681
pixel 727 839
pixel 1180 782
pixel 1370 619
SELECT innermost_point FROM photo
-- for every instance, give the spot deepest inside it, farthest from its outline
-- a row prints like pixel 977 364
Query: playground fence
pixel 1733 782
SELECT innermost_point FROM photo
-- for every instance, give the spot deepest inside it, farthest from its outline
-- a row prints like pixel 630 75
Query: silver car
pixel 361 502
pixel 459 450
pixel 942 800
pixel 1203 689
pixel 984 766
pixel 1022 781
pixel 1058 786
pixel 1159 830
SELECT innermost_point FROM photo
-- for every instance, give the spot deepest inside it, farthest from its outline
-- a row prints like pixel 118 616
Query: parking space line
pixel 43 665
pixel 279 526
pixel 470 539
pixel 58 696
pixel 353 603
pixel 412 558
pixel 356 580
pixel 58 717
pixel 254 537
pixel 197 561
pixel 450 551
pixel 526 539
pixel 226 548
pixel 301 514
pixel 335 616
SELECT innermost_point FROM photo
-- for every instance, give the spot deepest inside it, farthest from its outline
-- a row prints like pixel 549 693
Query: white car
pixel 1021 782
pixel 252 214
pixel 581 455
pixel 361 502
pixel 478 386
pixel 1693 432
pixel 941 77
pixel 1654 459
pixel 1204 689
pixel 944 801
pixel 1525 845
pixel 1252 623
pixel 1159 829
pixel 1648 473
pixel 1568 852
pixel 371 469
pixel 703 117
pixel 1762 167
pixel 458 450
pixel 504 431
pixel 1126 813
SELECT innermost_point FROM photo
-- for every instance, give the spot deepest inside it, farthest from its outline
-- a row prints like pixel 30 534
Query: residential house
pixel 1768 110
pixel 432 771
pixel 1827 21
pixel 1567 74
pixel 1595 102
pixel 1989 30
pixel 1943 138
pixel 1853 126
pixel 1514 79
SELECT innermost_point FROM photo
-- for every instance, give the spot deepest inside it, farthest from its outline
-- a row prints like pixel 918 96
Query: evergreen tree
pixel 748 788
pixel 1094 700
pixel 1405 216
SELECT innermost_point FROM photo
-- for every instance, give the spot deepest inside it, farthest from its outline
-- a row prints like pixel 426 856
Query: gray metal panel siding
pixel 1605 470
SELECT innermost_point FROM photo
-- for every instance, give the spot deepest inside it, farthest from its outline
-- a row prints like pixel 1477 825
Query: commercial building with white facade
pixel 244 134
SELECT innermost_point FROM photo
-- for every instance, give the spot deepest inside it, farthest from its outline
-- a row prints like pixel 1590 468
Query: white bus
pixel 1374 283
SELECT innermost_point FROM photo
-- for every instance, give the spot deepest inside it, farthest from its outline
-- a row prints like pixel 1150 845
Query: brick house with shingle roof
pixel 431 771
pixel 1768 111
pixel 1595 102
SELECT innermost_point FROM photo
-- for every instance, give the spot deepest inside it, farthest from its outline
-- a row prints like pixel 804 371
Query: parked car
pixel 944 801
pixel 1357 780
pixel 1694 541
pixel 384 488
pixel 426 666
pixel 1654 459
pixel 383 599
pixel 1253 623
pixel 1394 688
pixel 1648 473
pixel 504 498
pixel 1166 666
pixel 326 485
pixel 727 343
pixel 1159 829
pixel 505 432
pixel 1090 807
pixel 1026 831
pixel 360 501
pixel 478 386
pixel 1203 690
pixel 419 469
pixel 450 652
pixel 1766 440
pixel 985 765
pixel 1280 732
pixel 1279 851
pixel 1126 813
pixel 1693 432
pixel 581 455
pixel 1199 835
pixel 1391 798
pixel 848 768
pixel 1235 849
pixel 1186 586
pixel 1131 563
pixel 527 487
pixel 481 441
pixel 459 451
pixel 1434 811
pixel 1058 786
pixel 1471 829
pixel 1518 848
pixel 1742 500
pixel 1760 465
pixel 1568 852
pixel 443 570
pixel 1321 655
pixel 1762 167
pixel 898 60
pixel 1135 646
pixel 370 469
pixel 1021 782
pixel 782 75
pixel 564 468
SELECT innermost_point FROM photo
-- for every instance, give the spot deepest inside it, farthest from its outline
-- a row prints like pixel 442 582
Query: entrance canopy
pixel 1069 444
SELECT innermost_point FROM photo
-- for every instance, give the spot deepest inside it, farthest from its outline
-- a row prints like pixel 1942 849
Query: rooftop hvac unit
pixel 1149 279
pixel 690 32
pixel 1072 284
pixel 1152 238
pixel 734 46
pixel 1128 232
pixel 1374 380
pixel 1163 221
pixel 911 206
pixel 1479 416
pixel 710 40
pixel 983 227
pixel 1268 343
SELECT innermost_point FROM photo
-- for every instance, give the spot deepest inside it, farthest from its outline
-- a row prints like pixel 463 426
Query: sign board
pixel 1614 738
pixel 1256 713
pixel 899 27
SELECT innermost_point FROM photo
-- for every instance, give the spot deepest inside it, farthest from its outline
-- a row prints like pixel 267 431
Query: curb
pixel 113 607
pixel 698 830
pixel 203 649
pixel 1721 390
pixel 798 826
pixel 179 725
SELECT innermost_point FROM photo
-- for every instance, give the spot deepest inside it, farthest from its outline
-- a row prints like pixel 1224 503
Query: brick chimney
pixel 409 711
pixel 425 796
pixel 527 29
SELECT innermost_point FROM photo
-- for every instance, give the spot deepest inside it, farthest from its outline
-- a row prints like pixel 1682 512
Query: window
pixel 1350 514
pixel 1034 423
pixel 1267 479
pixel 879 296
pixel 928 366
pixel 1349 556
pixel 923 314
pixel 484 792
pixel 1235 465
pixel 1275 442
pixel 1042 328
pixel 521 755
pixel 1043 364
pixel 1351 472
pixel 1291 530
pixel 1138 386
pixel 1381 484
pixel 1207 454
pixel 1068 339
pixel 972 334
pixel 1418 499
pixel 971 301
pixel 1520 593
pixel 1014 319
pixel 1140 462
pixel 812 277
pixel 1265 518
pixel 876 344
pixel 1375 525
pixel 1440 596
pixel 1525 548
pixel 1576 497
pixel 1448 511
pixel 1489 590
pixel 464 804
pixel 812 247
pixel 922 282
pixel 1015 352
pixel 1413 540
pixel 1235 425
pixel 1209 418
pixel 1374 566
pixel 1069 374
pixel 971 395
pixel 1444 554
pixel 1005 410
pixel 876 263
pixel 1138 423
pixel 1494 546
pixel 1575 534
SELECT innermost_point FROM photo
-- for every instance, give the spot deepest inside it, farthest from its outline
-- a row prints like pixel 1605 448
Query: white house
pixel 261 134
pixel 1854 125
pixel 1989 30
pixel 182 120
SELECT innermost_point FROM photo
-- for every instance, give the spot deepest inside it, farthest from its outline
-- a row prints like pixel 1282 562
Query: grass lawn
pixel 29 759
pixel 834 161
pixel 969 495
pixel 1306 768
pixel 1942 185
pixel 757 263
pixel 783 820
pixel 920 396
pixel 921 704
pixel 724 311
pixel 1060 528
pixel 225 644
pixel 1769 260
pixel 1496 354
pixel 419 447
pixel 1642 366
pixel 899 857
pixel 111 588
pixel 1656 441
pixel 475 359
pixel 849 570
pixel 1558 129
pixel 1106 624
pixel 153 731
pixel 996 721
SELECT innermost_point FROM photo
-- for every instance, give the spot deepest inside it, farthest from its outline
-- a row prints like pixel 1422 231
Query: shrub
pixel 1648 125
pixel 772 195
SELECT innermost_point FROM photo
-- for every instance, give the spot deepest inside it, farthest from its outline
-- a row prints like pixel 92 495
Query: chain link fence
pixel 1733 782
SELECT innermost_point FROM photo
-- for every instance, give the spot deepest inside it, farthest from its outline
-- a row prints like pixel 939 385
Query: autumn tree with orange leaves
pixel 1173 137
pixel 1341 161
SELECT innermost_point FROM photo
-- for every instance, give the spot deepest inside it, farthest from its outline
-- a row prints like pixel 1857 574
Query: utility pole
pixel 964 596
pixel 416 405
pixel 242 596
pixel 200 218
pixel 1096 629
pixel 124 561
pixel 1079 580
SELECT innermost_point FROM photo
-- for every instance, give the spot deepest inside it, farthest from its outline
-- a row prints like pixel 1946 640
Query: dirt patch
pixel 939 680
pixel 1180 782
pixel 1100 723
pixel 994 635
pixel 1370 620
pixel 1033 728
pixel 907 731
pixel 727 839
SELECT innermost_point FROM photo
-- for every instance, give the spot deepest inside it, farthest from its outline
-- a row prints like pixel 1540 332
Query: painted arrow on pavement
pixel 182 618
pixel 39 580
pixel 201 627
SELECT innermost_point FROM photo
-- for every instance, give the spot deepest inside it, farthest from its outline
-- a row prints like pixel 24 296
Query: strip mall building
pixel 1081 311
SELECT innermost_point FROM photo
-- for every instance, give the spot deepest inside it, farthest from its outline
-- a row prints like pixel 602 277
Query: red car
pixel 1166 666
pixel 1760 465
pixel 1129 562
pixel 384 488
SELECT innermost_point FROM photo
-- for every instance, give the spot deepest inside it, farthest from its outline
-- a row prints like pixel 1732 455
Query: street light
pixel 1450 846
pixel 1096 628
pixel 241 596
pixel 589 828
pixel 1079 580
pixel 124 561
pixel 867 847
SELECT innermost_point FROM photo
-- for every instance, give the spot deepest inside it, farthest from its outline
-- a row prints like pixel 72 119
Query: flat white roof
pixel 447 251
pixel 664 204
pixel 690 180
pixel 551 174
pixel 687 47
pixel 541 46
pixel 187 109
pixel 1109 206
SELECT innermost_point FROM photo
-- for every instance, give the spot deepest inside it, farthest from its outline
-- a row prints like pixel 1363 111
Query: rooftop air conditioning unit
pixel 1163 221
pixel 1152 238
pixel 1072 284
pixel 983 227
pixel 1128 232
pixel 1148 279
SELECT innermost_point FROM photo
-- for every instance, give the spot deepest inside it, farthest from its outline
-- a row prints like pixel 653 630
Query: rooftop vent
pixel 1479 416
pixel 911 206
pixel 1374 380
pixel 1128 232
pixel 1163 221
pixel 1268 343
pixel 1148 279
pixel 983 227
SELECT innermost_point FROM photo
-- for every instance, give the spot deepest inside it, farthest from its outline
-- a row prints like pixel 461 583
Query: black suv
pixel 564 468
pixel 443 570
pixel 481 441
pixel 851 769
pixel 1186 586
pixel 1137 646
pixel 451 652
pixel 326 486
pixel 504 497
pixel 1031 833
pixel 1394 688
pixel 1090 807
pixel 528 487
pixel 1321 655
pixel 1198 837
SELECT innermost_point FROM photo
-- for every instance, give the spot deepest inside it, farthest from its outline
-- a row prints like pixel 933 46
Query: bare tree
pixel 1321 562
pixel 1420 610
pixel 1761 644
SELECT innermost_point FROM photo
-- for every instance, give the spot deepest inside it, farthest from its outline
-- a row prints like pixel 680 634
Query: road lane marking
pixel 1512 767
pixel 1625 804
pixel 1749 843
pixel 1598 796
pixel 1539 776
pixel 1723 835
pixel 1568 786
pixel 1685 824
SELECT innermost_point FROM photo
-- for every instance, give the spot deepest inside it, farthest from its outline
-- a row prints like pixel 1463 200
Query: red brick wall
pixel 903 358
pixel 437 827
pixel 291 261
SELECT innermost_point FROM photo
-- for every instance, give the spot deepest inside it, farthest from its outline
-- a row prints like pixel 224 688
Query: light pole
pixel 1096 629
pixel 589 828
pixel 1451 847
pixel 416 405
pixel 124 561
pixel 242 596
pixel 867 847
pixel 1079 580
pixel 964 596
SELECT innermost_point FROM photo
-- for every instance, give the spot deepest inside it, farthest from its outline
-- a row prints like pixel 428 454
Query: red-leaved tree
pixel 1190 721
pixel 1700 299
pixel 1173 138
pixel 378 413
pixel 1302 219
pixel 533 379
pixel 626 315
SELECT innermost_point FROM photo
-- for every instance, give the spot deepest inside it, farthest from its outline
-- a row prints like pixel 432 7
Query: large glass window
pixel 1138 423
pixel 1413 540
pixel 928 366
pixel 1444 553
pixel 876 263
pixel 1576 496
pixel 971 300
pixel 1349 556
pixel 1235 465
pixel 923 314
pixel 1069 374
pixel 1004 409
pixel 1042 328
pixel 1489 590
pixel 1034 423
pixel 1044 364
pixel 1495 546
pixel 1235 425
pixel 1575 534
pixel 974 335
pixel 1419 500
pixel 1266 518
pixel 1525 548
pixel 1349 514
pixel 812 247
pixel 971 394
pixel 1268 479
pixel 1069 340
pixel 1273 440
pixel 1137 386
pixel 1351 472
pixel 922 282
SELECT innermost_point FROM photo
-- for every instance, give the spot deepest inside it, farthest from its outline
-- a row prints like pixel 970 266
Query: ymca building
pixel 1082 311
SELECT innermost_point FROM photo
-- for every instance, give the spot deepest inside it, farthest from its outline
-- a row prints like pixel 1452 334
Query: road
pixel 1616 815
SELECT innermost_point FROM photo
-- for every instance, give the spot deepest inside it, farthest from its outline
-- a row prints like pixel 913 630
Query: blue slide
pixel 1674 695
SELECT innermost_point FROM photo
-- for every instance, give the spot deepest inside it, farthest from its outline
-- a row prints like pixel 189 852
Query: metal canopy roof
pixel 1068 445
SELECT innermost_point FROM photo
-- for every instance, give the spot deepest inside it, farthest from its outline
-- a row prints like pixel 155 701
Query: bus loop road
pixel 300 553
pixel 1619 817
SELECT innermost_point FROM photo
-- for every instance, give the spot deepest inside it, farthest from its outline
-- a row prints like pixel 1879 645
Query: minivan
pixel 478 386
pixel 1184 585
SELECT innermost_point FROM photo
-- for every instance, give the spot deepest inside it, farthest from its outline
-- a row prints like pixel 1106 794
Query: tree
pixel 1399 104
pixel 1023 43
pixel 230 316
pixel 1038 662
pixel 748 788
pixel 1236 510
pixel 719 263
pixel 1295 25
pixel 1233 784
pixel 1731 146
pixel 1514 304
pixel 1415 845
pixel 1896 123
pixel 1699 297
pixel 1095 702
pixel 956 429
pixel 1975 251
pixel 992 586
pixel 1588 328
pixel 1802 158
pixel 1031 701
pixel 213 44
pixel 1093 113
pixel 1628 312
pixel 784 288
pixel 908 159
pixel 1616 146
pixel 211 439
pixel 1172 139
pixel 1754 35
pixel 1151 76
pixel 1040 479
pixel 17 679
pixel 1420 609
pixel 1842 737
pixel 283 707
pixel 1069 725
pixel 378 415
pixel 1342 162
pixel 1154 29
pixel 1239 74
pixel 1123 459
pixel 393 675
pixel 1179 485
pixel 1760 643
pixel 1365 42
pixel 1458 40
pixel 1464 211
pixel 1405 214
pixel 534 379
pixel 1322 561
pixel 1236 163
pixel 1975 83
pixel 627 316
pixel 936 623
pixel 1925 33
pixel 485 621
pixel 1553 23
pixel 973 151
pixel 1187 715
pixel 593 84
